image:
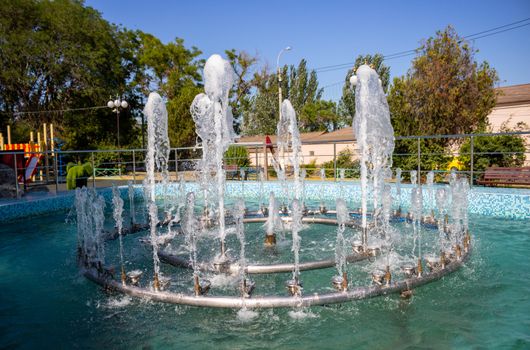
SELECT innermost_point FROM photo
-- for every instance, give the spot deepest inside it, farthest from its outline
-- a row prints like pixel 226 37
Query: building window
pixel 311 153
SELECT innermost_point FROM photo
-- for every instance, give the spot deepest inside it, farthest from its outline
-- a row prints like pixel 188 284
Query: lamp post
pixel 118 104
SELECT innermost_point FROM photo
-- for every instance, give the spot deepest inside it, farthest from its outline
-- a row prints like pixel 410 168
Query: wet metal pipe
pixel 274 268
pixel 261 269
pixel 356 293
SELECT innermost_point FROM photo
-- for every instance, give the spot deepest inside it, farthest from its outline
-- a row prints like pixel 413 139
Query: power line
pixel 490 32
pixel 333 84
pixel 411 52
pixel 500 27
pixel 500 31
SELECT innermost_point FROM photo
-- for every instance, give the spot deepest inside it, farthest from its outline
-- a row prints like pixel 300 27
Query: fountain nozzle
pixel 458 251
pixel 443 259
pixel 467 241
pixel 200 287
pixel 123 276
pixel 264 210
pixel 339 282
pixel 388 276
pixel 156 283
pixel 247 287
pixel 270 239
pixel 419 269
pixel 294 286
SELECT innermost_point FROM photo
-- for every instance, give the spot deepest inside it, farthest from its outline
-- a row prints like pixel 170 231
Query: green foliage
pixel 301 88
pixel 345 160
pixel 445 92
pixel 347 101
pixel 434 155
pixel 261 114
pixel 237 155
pixel 77 175
pixel 240 95
pixel 173 71
pixel 165 68
pixel 318 116
pixel 311 167
pixel 60 55
pixel 181 128
pixel 501 151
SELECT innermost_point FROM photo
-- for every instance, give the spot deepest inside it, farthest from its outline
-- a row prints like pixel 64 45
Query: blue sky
pixel 331 32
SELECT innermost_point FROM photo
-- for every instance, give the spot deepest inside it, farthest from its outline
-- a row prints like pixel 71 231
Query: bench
pixel 107 171
pixel 505 176
pixel 232 170
pixel 252 171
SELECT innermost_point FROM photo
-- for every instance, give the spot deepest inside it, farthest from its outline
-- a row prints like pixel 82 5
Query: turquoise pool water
pixel 45 303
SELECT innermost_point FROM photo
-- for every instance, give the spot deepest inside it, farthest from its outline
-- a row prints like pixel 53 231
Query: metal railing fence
pixel 120 166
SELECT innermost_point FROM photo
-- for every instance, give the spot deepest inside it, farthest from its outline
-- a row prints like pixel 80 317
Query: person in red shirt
pixel 269 145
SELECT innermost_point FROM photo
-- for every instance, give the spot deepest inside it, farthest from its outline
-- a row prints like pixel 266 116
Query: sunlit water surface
pixel 46 303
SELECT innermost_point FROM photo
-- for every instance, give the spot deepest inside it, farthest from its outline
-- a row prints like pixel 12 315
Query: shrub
pixel 344 161
pixel 501 151
pixel 77 175
pixel 237 155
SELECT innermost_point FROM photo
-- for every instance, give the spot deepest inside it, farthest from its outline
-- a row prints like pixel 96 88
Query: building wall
pixel 510 116
pixel 321 153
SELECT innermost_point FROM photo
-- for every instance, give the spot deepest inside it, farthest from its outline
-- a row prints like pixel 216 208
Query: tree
pixel 347 101
pixel 320 115
pixel 58 55
pixel 261 114
pixel 166 68
pixel 174 71
pixel 240 96
pixel 501 151
pixel 298 85
pixel 444 92
pixel 180 122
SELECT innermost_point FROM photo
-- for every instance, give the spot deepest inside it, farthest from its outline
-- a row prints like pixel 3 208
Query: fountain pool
pixel 45 302
pixel 161 249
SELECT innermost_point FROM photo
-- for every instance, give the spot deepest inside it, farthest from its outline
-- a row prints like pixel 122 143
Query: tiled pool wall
pixel 505 203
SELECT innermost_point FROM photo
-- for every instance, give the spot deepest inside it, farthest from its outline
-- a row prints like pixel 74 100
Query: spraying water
pixel 340 244
pixel 414 177
pixel 387 213
pixel 117 203
pixel 214 125
pixel 90 219
pixel 303 175
pixel 398 186
pixel 416 202
pixel 130 191
pixel 156 160
pixel 293 135
pixel 375 138
pixel 274 222
pixel 441 204
pixel 430 189
pixel 322 178
pixel 296 228
pixel 189 227
pixel 239 214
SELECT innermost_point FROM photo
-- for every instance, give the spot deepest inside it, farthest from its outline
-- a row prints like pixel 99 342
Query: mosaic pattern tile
pixel 504 203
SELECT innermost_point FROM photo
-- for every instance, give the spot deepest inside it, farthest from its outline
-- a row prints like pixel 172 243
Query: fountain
pixel 373 252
